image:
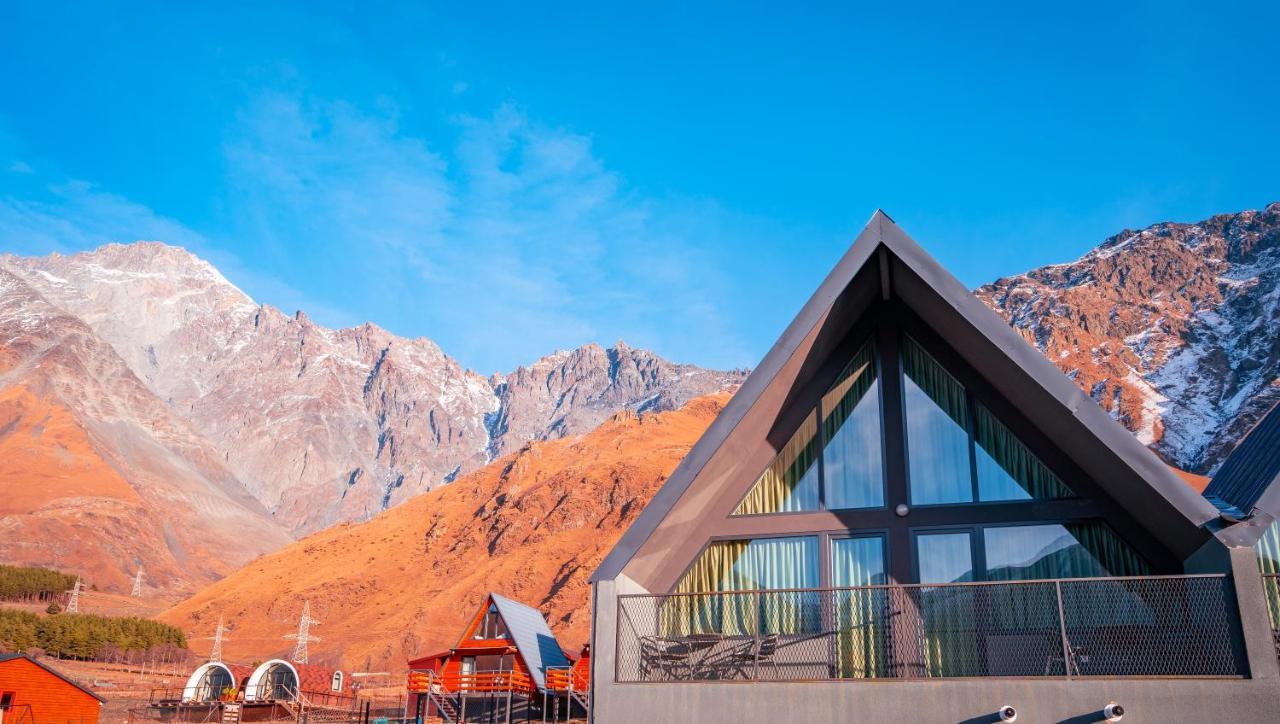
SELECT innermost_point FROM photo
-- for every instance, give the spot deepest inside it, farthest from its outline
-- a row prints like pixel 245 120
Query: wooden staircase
pixel 447 705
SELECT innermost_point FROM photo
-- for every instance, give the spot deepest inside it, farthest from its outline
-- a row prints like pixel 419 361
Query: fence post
pixel 1062 629
pixel 755 641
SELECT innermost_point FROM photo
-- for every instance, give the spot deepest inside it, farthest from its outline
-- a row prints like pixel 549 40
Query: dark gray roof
pixel 533 637
pixel 51 670
pixel 1247 481
pixel 1131 473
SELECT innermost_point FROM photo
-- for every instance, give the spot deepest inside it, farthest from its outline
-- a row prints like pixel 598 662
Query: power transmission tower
pixel 218 637
pixel 73 604
pixel 304 634
pixel 137 584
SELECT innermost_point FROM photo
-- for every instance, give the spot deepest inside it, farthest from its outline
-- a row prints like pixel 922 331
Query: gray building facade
pixel 907 512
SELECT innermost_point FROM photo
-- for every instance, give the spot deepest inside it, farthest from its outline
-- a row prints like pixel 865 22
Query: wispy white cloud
pixel 512 238
pixel 68 215
pixel 502 239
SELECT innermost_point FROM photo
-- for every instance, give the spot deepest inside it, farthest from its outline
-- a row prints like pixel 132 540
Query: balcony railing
pixel 1271 589
pixel 482 682
pixel 1154 626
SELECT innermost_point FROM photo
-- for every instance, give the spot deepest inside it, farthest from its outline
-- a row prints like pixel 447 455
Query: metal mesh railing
pixel 1159 626
pixel 1271 590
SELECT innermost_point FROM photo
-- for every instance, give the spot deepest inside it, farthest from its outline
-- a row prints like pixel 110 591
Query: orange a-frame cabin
pixel 496 672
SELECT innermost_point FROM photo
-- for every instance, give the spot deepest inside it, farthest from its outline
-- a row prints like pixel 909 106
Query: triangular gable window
pixel 940 417
pixel 851 473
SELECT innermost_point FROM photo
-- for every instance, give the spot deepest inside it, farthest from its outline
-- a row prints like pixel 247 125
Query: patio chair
pixel 667 656
pixel 743 660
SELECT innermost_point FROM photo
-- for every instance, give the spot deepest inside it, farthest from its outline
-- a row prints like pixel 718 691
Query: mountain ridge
pixel 360 419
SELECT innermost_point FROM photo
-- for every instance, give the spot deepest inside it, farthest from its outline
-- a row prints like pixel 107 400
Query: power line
pixel 137 584
pixel 305 622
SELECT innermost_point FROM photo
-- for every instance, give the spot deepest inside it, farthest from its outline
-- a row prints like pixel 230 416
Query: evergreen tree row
pixel 21 583
pixel 84 636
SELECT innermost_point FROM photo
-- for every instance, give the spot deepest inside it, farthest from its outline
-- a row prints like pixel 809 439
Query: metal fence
pixel 1156 626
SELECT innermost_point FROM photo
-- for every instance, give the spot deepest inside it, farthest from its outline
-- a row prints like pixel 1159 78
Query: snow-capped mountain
pixel 99 475
pixel 326 425
pixel 1175 329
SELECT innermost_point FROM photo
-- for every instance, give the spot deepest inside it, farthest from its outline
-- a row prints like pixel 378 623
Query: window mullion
pixel 821 437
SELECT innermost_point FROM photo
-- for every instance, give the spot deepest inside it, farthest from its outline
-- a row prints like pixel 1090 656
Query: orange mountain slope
pixel 97 477
pixel 532 525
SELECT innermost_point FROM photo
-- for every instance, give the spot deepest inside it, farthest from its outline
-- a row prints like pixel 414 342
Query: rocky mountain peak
pixel 325 425
pixel 1175 328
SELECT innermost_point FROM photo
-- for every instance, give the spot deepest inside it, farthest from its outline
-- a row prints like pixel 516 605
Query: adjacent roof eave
pixel 997 339
pixel 1247 485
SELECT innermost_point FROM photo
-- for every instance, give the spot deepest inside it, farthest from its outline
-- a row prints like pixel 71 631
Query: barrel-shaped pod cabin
pixel 280 680
pixel 216 681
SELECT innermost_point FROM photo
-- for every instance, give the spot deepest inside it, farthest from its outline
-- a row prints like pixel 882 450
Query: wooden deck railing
pixel 476 683
pixel 566 678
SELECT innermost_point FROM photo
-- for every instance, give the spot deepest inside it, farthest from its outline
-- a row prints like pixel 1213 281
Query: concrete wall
pixel 1165 701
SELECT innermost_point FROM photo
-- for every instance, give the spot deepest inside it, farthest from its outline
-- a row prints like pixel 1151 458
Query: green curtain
pixel 859 611
pixel 1268 549
pixel 853 466
pixel 941 387
pixel 765 565
pixel 936 411
pixel 790 483
pixel 1113 554
pixel 1007 470
pixel 950 635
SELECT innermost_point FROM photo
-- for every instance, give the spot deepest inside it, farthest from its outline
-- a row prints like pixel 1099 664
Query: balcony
pixel 479 682
pixel 1154 626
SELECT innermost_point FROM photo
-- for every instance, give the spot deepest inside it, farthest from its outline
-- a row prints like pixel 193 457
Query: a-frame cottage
pixel 906 513
pixel 497 672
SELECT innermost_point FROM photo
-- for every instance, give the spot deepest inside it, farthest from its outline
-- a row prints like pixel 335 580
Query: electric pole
pixel 304 634
pixel 73 604
pixel 137 584
pixel 215 656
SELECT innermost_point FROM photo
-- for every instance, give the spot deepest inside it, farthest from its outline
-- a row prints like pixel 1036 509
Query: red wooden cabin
pixel 497 669
pixel 31 691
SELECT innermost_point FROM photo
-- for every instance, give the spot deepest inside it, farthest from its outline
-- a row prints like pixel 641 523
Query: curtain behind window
pixel 937 430
pixel 853 466
pixel 1268 549
pixel 790 483
pixel 766 564
pixel 860 613
pixel 1007 470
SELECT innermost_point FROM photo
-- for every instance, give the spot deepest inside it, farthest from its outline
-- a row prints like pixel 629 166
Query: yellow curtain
pixel 790 483
pixel 772 566
pixel 859 612
pixel 1268 549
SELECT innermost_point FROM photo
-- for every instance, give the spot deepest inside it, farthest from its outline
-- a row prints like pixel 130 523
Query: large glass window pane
pixel 748 565
pixel 946 612
pixel 857 562
pixel 853 465
pixel 790 483
pixel 1074 550
pixel 944 557
pixel 762 565
pixel 1007 470
pixel 1268 549
pixel 937 430
pixel 860 613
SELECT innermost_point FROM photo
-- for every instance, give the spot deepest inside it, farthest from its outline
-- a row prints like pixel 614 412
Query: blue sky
pixel 508 179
